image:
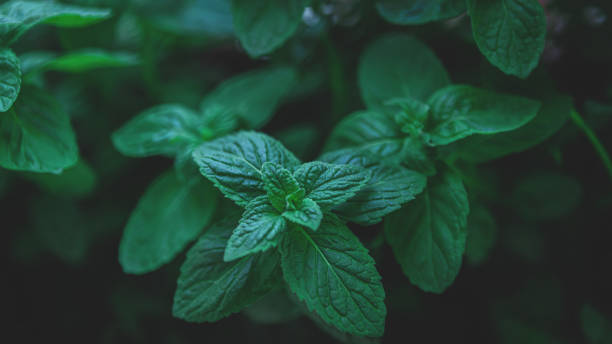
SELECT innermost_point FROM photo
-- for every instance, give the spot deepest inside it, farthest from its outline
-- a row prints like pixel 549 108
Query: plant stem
pixel 595 142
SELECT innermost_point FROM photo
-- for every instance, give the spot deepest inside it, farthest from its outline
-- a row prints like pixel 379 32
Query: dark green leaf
pixel 279 183
pixel 76 181
pixel 35 135
pixel 10 79
pixel 17 17
pixel 399 66
pixel 414 12
pixel 343 286
pixel 389 187
pixel 169 216
pixel 329 184
pixel 263 26
pixel 460 111
pixel 210 288
pixel 595 326
pixel 162 130
pixel 253 96
pixel 551 117
pixel 258 230
pixel 428 234
pixel 234 162
pixel 307 214
pixel 510 33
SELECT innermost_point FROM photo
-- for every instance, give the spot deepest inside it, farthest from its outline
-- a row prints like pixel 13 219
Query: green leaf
pixel 399 66
pixel 595 326
pixel 371 131
pixel 510 33
pixel 459 111
pixel 17 17
pixel 210 288
pixel 343 286
pixel 415 12
pixel 428 235
pixel 388 189
pixel 197 18
pixel 410 114
pixel 279 183
pixel 330 185
pixel 263 26
pixel 169 216
pixel 482 233
pixel 219 120
pixel 258 230
pixel 553 114
pixel 10 78
pixel 234 162
pixel 79 180
pixel 35 135
pixel 307 214
pixel 76 61
pixel 253 96
pixel 167 129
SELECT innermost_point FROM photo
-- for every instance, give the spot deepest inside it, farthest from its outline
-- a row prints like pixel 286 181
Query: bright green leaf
pixel 210 288
pixel 76 61
pixel 161 130
pixel 482 233
pixel 258 230
pixel 389 187
pixel 415 12
pixel 169 216
pixel 279 183
pixel 253 96
pixel 399 66
pixel 510 33
pixel 428 235
pixel 10 79
pixel 36 135
pixel 307 214
pixel 17 17
pixel 263 26
pixel 343 286
pixel 460 111
pixel 329 184
pixel 234 162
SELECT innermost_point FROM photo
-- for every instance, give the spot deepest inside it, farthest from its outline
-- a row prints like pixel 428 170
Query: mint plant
pixel 317 170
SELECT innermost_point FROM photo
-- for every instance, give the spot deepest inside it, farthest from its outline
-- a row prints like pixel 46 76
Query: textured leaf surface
pixel 253 96
pixel 10 79
pixel 162 130
pixel 371 131
pixel 17 17
pixel 170 214
pixel 263 26
pixel 330 184
pixel 333 273
pixel 479 148
pixel 510 33
pixel 279 183
pixel 308 214
pixel 389 187
pixel 76 61
pixel 234 162
pixel 428 235
pixel 36 135
pixel 210 289
pixel 414 12
pixel 399 66
pixel 258 230
pixel 459 111
pixel 482 232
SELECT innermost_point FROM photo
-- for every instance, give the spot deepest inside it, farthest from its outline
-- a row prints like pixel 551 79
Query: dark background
pixel 62 277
